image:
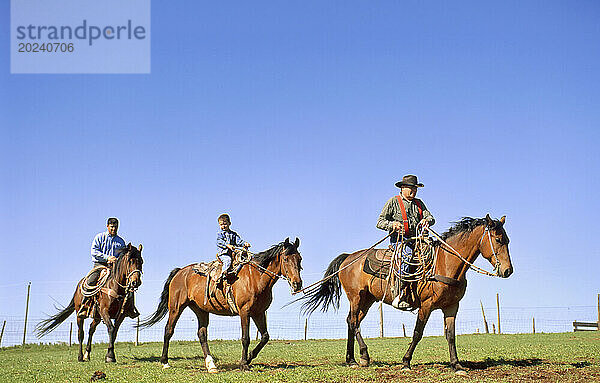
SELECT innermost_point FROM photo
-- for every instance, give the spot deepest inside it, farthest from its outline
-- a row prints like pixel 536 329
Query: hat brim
pixel 400 184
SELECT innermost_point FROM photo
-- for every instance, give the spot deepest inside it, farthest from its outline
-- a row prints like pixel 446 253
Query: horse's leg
pixel 422 318
pixel 112 337
pixel 449 319
pixel 203 337
pixel 88 347
pixel 364 306
pixel 245 322
pixel 110 356
pixel 174 314
pixel 358 309
pixel 80 338
pixel 260 321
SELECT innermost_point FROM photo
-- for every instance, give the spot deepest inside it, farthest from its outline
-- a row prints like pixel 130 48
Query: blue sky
pixel 296 119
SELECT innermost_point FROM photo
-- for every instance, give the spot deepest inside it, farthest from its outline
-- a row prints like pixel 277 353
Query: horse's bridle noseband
pixel 496 259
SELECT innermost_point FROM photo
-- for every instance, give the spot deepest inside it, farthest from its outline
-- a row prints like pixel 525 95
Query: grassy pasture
pixel 568 357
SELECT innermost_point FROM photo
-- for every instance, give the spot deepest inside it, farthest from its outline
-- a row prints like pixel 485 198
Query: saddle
pixel 212 271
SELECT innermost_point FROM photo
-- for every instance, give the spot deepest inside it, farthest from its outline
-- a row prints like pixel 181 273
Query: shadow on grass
pixel 157 358
pixel 488 362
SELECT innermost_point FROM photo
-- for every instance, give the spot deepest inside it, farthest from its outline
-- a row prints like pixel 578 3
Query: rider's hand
pixel 246 245
pixel 111 259
pixel 230 247
pixel 396 226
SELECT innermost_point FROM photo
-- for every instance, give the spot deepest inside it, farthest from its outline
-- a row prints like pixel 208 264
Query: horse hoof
pixel 166 365
pixel 405 368
pixel 110 360
pixel 213 370
pixel 244 367
pixel 364 362
pixel 461 372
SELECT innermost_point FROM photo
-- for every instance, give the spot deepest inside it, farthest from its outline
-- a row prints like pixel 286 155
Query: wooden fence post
pixel 381 319
pixel 598 311
pixel 533 322
pixel 2 333
pixel 404 330
pixel 494 328
pixel 26 312
pixel 305 328
pixel 71 335
pixel 137 332
pixel 498 307
pixel 487 329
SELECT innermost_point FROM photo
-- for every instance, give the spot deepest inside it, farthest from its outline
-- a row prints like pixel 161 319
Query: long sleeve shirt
pixel 228 238
pixel 391 212
pixel 105 245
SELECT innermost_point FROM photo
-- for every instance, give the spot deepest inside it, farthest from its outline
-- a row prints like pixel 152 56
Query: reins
pixel 471 265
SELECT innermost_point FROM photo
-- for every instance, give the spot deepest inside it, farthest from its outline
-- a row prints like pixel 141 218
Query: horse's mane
pixel 467 225
pixel 265 257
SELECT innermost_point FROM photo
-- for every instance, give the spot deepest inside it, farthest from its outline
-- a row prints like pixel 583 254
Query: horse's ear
pixel 286 242
pixel 489 220
pixel 129 245
pixel 503 219
pixel 140 248
pixel 297 242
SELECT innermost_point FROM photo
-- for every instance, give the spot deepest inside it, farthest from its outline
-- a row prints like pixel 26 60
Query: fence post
pixel 71 334
pixel 533 321
pixel 498 307
pixel 598 311
pixel 2 333
pixel 305 327
pixel 404 330
pixel 26 312
pixel 494 328
pixel 137 332
pixel 487 329
pixel 381 319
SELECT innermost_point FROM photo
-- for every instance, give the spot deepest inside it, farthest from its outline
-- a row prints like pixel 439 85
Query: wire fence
pixel 282 325
pixel 286 323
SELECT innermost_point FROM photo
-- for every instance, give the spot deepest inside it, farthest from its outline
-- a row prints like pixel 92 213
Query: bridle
pixel 496 271
pixel 129 286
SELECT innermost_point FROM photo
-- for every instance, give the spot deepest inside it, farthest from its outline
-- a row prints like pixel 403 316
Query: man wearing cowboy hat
pixel 402 221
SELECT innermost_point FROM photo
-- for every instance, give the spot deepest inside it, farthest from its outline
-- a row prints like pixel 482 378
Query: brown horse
pixel 469 237
pixel 124 278
pixel 252 294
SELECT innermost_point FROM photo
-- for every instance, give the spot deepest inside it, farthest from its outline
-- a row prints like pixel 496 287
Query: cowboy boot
pixel 132 311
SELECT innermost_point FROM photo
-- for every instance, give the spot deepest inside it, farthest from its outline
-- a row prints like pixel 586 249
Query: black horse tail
pixel 47 325
pixel 163 304
pixel 328 292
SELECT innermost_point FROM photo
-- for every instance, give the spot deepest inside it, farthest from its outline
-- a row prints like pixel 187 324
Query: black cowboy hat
pixel 409 180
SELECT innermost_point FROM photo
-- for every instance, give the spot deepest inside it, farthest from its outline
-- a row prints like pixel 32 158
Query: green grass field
pixel 570 357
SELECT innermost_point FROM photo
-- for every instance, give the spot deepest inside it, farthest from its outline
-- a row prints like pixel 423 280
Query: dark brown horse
pixel 252 294
pixel 125 277
pixel 469 237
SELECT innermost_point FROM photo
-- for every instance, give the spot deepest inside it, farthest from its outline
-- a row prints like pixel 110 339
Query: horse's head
pixel 129 266
pixel 290 263
pixel 494 246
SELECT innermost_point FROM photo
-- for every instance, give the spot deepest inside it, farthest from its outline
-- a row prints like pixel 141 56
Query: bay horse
pixel 469 237
pixel 252 296
pixel 124 278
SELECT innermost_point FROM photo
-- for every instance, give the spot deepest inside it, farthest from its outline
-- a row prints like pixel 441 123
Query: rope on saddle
pixel 88 290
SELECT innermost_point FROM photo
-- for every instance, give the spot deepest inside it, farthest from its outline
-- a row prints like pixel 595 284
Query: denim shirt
pixel 105 245
pixel 228 238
